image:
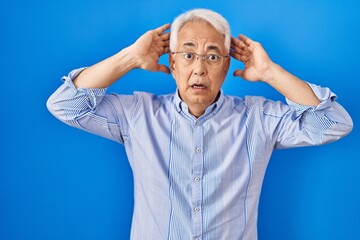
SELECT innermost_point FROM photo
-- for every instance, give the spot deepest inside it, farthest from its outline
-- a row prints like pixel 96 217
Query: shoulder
pixel 258 104
pixel 240 103
pixel 143 100
pixel 153 100
pixel 141 97
pixel 268 107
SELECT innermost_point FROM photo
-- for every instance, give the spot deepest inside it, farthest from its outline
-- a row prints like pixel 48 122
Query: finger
pixel 166 49
pixel 238 42
pixel 166 43
pixel 163 51
pixel 240 54
pixel 244 59
pixel 235 55
pixel 240 50
pixel 162 43
pixel 235 48
pixel 163 28
pixel 246 39
pixel 165 36
pixel 235 41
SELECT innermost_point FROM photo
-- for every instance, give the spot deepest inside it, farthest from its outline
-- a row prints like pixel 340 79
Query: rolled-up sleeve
pixel 313 125
pixel 88 109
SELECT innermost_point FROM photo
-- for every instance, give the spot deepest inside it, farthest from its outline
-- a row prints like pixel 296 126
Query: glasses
pixel 212 59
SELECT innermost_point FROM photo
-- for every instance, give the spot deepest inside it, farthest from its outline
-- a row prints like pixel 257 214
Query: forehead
pixel 200 35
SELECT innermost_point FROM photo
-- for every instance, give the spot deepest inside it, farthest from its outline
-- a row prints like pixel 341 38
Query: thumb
pixel 238 73
pixel 163 68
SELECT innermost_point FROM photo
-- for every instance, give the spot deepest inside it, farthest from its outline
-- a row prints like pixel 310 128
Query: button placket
pixel 197 172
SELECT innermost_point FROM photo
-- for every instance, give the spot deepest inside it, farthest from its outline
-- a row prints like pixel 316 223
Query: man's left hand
pixel 257 64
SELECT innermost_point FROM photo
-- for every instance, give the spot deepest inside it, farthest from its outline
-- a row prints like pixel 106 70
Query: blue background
pixel 57 182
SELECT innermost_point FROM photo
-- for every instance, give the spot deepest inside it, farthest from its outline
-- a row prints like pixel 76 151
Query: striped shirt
pixel 198 178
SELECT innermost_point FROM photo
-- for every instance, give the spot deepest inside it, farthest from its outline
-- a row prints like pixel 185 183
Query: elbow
pixel 52 106
pixel 347 127
pixel 338 131
pixel 342 119
pixel 55 108
pixel 346 124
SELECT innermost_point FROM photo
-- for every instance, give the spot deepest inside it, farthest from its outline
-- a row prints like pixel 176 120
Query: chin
pixel 201 100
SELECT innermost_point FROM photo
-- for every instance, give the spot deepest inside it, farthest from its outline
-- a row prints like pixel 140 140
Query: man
pixel 198 156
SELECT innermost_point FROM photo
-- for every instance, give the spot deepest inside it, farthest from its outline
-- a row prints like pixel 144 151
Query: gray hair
pixel 200 15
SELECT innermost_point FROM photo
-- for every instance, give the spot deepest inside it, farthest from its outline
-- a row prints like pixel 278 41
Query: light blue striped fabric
pixel 198 178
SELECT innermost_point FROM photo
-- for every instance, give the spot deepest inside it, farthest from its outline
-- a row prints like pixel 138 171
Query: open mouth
pixel 198 86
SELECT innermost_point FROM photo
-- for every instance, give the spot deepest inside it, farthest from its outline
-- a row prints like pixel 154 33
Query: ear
pixel 172 64
pixel 227 64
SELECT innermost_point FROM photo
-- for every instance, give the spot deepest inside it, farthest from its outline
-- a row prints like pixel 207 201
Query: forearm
pixel 68 103
pixel 106 72
pixel 290 86
pixel 305 125
pixel 85 109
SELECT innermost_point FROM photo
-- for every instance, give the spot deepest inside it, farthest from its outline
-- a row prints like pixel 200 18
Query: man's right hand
pixel 144 54
pixel 150 47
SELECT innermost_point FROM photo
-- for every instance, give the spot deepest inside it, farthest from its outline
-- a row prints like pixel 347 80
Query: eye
pixel 213 57
pixel 189 56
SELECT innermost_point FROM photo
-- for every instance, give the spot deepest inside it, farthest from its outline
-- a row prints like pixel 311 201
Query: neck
pixel 197 111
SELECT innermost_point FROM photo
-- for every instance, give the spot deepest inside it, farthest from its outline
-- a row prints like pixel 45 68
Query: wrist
pixel 126 59
pixel 271 73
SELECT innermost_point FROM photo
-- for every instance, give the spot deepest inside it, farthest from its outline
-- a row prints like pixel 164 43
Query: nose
pixel 199 66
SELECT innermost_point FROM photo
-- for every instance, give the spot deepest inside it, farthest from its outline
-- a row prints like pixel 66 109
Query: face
pixel 198 82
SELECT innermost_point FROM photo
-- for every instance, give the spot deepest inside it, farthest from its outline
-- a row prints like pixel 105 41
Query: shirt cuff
pixel 326 97
pixel 91 96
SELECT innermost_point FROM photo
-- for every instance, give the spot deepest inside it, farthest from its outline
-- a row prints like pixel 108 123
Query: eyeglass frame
pixel 203 56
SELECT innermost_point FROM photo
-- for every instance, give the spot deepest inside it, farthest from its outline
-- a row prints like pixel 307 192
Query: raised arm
pixel 259 67
pixel 314 116
pixel 144 54
pixel 81 101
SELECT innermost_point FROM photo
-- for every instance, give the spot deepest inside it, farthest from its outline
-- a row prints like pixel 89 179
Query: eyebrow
pixel 211 47
pixel 189 44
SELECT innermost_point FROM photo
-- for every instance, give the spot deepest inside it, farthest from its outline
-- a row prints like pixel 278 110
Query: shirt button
pixel 197 179
pixel 197 122
pixel 198 150
pixel 197 209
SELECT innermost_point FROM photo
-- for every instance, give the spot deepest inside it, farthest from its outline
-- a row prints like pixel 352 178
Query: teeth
pixel 199 86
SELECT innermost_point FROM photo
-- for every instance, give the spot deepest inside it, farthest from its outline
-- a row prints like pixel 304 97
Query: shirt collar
pixel 213 108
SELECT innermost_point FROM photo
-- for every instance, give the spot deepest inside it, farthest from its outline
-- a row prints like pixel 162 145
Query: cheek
pixel 217 86
pixel 218 79
pixel 181 83
pixel 181 77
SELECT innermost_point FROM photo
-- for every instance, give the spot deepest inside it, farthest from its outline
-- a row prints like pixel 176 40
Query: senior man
pixel 198 156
